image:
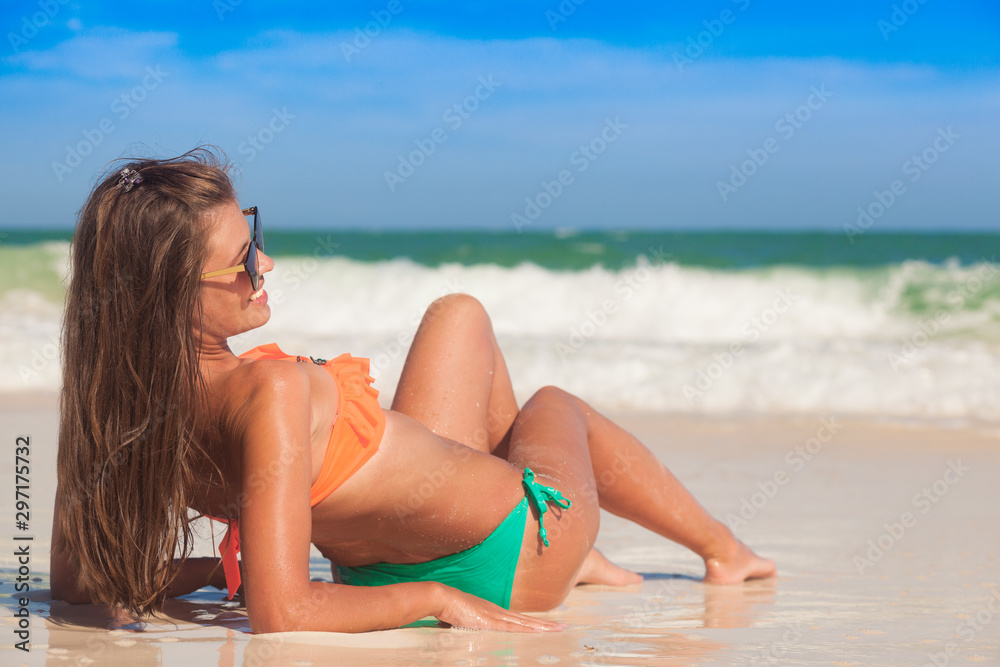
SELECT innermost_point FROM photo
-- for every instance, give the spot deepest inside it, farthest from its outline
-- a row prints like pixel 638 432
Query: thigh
pixel 550 437
pixel 454 380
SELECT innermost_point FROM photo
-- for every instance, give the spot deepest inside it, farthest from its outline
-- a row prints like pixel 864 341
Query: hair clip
pixel 129 178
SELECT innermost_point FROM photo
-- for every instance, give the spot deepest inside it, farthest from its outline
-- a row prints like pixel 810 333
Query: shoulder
pixel 271 375
pixel 270 380
pixel 265 390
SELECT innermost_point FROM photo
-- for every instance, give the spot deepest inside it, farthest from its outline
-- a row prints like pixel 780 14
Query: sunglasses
pixel 249 264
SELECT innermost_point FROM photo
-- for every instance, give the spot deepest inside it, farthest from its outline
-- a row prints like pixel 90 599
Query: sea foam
pixel 911 339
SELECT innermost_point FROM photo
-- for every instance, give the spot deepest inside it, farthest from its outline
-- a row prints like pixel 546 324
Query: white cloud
pixel 100 53
pixel 553 62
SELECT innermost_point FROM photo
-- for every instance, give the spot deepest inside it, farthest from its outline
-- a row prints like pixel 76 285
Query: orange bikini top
pixel 357 432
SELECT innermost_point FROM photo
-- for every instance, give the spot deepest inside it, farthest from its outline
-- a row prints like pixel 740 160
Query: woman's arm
pixel 276 531
pixel 63 569
pixel 195 573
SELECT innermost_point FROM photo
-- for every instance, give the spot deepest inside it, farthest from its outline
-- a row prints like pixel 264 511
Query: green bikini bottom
pixel 485 570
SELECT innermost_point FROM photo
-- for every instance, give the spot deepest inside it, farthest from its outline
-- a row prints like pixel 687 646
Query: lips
pixel 259 293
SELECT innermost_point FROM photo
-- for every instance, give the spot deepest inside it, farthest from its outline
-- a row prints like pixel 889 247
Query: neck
pixel 215 355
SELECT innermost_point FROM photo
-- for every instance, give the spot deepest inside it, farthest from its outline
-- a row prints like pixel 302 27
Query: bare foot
pixel 599 570
pixel 736 563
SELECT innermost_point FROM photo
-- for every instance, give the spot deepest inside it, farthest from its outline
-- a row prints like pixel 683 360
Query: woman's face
pixel 229 304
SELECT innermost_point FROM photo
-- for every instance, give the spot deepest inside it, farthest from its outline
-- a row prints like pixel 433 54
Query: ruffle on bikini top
pixel 358 398
pixel 360 424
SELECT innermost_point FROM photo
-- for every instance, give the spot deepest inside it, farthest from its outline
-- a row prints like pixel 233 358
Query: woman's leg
pixel 597 464
pixel 455 382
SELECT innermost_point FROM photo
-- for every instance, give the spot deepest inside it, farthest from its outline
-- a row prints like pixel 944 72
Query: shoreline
pixel 45 399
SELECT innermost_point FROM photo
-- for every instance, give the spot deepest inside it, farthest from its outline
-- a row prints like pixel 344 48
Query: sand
pixel 885 535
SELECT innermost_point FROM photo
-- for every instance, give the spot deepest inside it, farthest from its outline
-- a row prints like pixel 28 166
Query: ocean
pixel 876 325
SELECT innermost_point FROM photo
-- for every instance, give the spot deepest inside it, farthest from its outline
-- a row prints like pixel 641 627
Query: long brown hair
pixel 131 388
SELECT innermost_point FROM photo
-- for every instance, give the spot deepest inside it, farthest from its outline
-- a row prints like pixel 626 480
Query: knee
pixel 551 394
pixel 457 305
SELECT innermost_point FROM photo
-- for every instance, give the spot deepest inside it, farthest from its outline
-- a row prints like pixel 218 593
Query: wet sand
pixel 885 535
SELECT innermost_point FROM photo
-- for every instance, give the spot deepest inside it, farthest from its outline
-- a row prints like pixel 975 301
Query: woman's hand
pixel 462 610
pixel 218 579
pixel 195 573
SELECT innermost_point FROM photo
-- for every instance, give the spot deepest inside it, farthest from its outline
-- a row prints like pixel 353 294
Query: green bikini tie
pixel 540 495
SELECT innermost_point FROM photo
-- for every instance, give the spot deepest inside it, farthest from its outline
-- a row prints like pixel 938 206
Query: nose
pixel 265 261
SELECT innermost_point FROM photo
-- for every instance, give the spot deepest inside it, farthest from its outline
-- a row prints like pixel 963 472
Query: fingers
pixel 502 620
pixel 468 611
pixel 530 624
pixel 520 623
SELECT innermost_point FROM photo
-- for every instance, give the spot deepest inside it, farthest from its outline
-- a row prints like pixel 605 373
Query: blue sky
pixel 534 116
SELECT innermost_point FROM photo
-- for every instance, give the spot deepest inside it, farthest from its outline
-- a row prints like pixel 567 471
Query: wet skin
pixel 434 487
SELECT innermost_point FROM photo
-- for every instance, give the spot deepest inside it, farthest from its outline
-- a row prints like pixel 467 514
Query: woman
pixel 455 493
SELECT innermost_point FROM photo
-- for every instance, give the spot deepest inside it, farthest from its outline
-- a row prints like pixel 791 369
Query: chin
pixel 263 316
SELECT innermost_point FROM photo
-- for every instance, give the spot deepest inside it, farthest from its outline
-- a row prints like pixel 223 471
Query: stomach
pixel 419 497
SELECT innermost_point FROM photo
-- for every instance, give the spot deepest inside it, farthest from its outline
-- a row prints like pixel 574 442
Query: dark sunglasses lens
pixel 258 230
pixel 252 267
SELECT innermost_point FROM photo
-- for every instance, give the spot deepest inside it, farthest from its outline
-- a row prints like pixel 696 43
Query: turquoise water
pixel 613 250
